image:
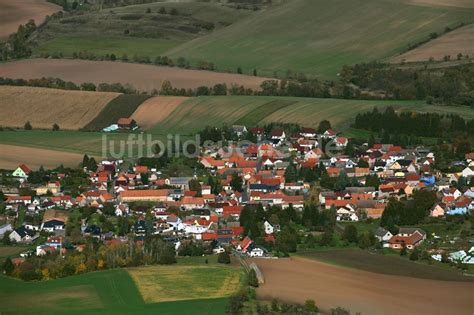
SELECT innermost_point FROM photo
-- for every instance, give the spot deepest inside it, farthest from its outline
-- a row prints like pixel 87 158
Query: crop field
pixel 143 77
pixel 122 106
pixel 450 44
pixel 43 107
pixel 105 292
pixel 298 279
pixel 156 109
pixel 196 113
pixel 174 283
pixel 13 13
pixel 13 155
pixel 318 37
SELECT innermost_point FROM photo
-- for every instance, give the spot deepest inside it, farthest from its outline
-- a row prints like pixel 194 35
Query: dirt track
pixel 156 109
pixel 13 13
pixel 298 279
pixel 142 77
pixel 11 156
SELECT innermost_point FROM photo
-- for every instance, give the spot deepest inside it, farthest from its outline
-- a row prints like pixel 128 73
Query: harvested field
pixel 458 41
pixel 142 77
pixel 298 279
pixel 156 109
pixel 11 156
pixel 13 13
pixel 43 107
pixel 174 283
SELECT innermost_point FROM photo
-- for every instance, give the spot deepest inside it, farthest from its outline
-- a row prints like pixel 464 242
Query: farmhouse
pixel 127 123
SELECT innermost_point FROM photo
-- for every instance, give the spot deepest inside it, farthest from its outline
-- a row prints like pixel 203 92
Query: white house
pixel 256 252
pixel 268 227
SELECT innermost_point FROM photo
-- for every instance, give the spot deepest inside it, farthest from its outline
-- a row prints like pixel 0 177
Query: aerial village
pixel 241 200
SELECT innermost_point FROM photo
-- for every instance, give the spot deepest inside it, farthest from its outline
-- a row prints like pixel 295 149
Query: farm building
pixel 127 123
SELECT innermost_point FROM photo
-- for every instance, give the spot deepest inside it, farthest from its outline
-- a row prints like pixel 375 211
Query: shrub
pixel 223 258
pixel 252 278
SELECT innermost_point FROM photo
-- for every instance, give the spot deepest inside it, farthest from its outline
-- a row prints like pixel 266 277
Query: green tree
pixel 55 127
pixel 8 266
pixel 28 126
pixel 223 258
pixel 350 233
pixel 310 306
pixel 252 278
pixel 236 182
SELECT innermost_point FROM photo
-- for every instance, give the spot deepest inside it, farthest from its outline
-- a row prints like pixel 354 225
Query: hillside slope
pixel 318 36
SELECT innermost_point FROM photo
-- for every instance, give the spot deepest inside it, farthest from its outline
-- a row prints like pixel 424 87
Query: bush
pixel 223 258
pixel 252 278
pixel 310 305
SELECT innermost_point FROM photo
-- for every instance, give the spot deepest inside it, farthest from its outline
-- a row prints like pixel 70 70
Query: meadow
pixel 319 37
pixel 105 292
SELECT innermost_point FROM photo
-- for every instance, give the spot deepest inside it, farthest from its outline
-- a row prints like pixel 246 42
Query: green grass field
pixel 115 292
pixel 102 45
pixel 175 283
pixel 318 37
pixel 385 264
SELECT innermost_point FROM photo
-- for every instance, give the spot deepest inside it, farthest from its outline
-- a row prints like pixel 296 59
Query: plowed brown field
pixel 298 279
pixel 13 13
pixel 142 77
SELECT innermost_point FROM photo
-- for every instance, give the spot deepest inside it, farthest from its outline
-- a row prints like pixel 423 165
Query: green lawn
pixel 318 37
pixel 385 264
pixel 101 45
pixel 106 292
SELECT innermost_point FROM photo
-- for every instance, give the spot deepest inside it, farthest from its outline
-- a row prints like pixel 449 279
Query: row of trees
pixel 95 256
pixel 17 45
pixel 410 123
